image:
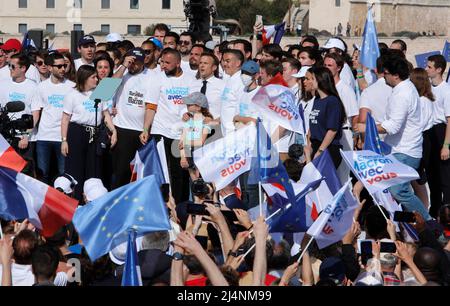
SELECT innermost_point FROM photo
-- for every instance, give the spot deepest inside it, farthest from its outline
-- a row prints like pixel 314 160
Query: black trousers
pixel 438 171
pixel 179 178
pixel 332 149
pixel 82 162
pixel 122 154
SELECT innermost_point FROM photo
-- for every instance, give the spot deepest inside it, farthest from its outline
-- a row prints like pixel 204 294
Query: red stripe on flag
pixel 57 211
pixel 10 159
pixel 278 185
pixel 314 213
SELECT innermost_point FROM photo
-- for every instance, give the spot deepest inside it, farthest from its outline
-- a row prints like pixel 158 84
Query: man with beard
pixel 136 104
pixel 152 49
pixel 86 48
pixel 194 60
pixel 175 84
pixel 185 45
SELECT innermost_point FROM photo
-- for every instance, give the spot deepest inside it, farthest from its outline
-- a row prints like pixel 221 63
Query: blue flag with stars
pixel 293 218
pixel 372 141
pixel 104 223
pixel 267 167
pixel 132 272
pixel 370 51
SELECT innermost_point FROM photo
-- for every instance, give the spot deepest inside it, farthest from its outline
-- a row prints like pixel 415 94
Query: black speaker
pixel 37 36
pixel 75 37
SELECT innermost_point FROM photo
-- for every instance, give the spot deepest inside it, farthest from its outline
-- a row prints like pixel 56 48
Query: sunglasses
pixel 184 42
pixel 12 66
pixel 39 63
pixel 148 52
pixel 60 66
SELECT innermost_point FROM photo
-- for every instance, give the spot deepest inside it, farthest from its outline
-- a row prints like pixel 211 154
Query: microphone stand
pixel 96 103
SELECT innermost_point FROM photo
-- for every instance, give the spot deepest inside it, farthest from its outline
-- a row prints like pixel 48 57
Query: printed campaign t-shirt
pixel 135 91
pixel 325 115
pixel 82 108
pixel 246 107
pixel 50 98
pixel 193 130
pixel 171 108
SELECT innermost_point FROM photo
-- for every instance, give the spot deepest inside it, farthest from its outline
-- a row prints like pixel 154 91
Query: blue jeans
pixel 404 193
pixel 44 151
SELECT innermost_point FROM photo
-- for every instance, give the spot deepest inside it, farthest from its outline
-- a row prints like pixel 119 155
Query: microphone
pixel 15 106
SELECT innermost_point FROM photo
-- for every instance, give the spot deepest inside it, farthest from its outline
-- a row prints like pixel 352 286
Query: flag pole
pixel 306 248
pixel 1 232
pixel 258 152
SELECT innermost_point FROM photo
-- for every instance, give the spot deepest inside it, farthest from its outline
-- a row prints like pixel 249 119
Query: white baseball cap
pixel 93 189
pixel 334 43
pixel 113 37
pixel 302 72
pixel 65 182
pixel 118 254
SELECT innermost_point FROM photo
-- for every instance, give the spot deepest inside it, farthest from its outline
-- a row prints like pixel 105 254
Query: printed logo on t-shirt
pixel 225 93
pixel 56 101
pixel 17 96
pixel 176 94
pixel 89 106
pixel 136 98
pixel 313 116
pixel 243 110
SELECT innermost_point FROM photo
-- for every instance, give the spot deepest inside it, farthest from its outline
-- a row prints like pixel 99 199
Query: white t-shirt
pixel 426 107
pixel 403 121
pixel 246 107
pixel 347 77
pixel 214 90
pixel 348 98
pixel 82 108
pixel 376 97
pixel 441 106
pixel 171 108
pixel 50 98
pixel 232 92
pixel 370 77
pixel 307 108
pixel 187 69
pixel 135 91
pixel 12 91
pixel 79 62
pixel 33 74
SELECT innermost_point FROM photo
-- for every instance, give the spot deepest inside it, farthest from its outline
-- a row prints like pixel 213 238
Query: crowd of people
pixel 188 90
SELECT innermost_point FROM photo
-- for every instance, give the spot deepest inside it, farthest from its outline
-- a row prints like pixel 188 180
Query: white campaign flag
pixel 278 103
pixel 335 220
pixel 225 159
pixel 378 172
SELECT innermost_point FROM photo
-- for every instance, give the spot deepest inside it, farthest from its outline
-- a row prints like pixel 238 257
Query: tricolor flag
pixel 278 104
pixel 23 197
pixel 225 159
pixel 9 157
pixel 336 219
pixel 276 31
pixel 132 272
pixel 147 162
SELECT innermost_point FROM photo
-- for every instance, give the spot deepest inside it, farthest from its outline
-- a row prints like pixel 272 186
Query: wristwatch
pixel 177 256
pixel 63 139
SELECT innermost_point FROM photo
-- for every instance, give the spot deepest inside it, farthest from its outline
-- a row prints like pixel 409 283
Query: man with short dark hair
pixel 152 49
pixel 438 172
pixel 399 44
pixel 244 46
pixel 171 40
pixel 185 44
pixel 86 48
pixel 47 108
pixel 191 66
pixel 403 126
pixel 44 263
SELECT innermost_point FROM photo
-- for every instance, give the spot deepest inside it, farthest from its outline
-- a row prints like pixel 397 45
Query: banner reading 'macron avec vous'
pixel 378 172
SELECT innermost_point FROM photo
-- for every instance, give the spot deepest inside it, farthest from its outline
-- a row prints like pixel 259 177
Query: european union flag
pixel 131 273
pixel 372 141
pixel 103 224
pixel 293 219
pixel 422 59
pixel 370 51
pixel 267 166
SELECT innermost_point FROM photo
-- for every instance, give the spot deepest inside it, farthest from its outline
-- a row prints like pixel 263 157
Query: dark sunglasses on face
pixel 148 52
pixel 12 66
pixel 39 63
pixel 60 66
pixel 185 42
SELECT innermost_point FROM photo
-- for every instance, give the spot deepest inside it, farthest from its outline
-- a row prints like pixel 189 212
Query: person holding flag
pixel 326 118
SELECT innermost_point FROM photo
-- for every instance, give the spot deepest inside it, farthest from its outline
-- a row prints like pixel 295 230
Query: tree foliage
pixel 245 11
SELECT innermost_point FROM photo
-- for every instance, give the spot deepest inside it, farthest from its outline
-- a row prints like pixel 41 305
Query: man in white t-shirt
pixel 136 102
pixel 11 47
pixel 167 125
pixel 187 41
pixel 19 88
pixel 232 61
pixel 403 125
pixel 194 60
pixel 86 48
pixel 4 69
pixel 47 108
pixel 438 172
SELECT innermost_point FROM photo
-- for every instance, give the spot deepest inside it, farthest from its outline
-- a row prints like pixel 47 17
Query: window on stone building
pixel 338 2
pixel 50 28
pixel 50 4
pixel 166 4
pixel 23 28
pixel 23 3
pixel 134 4
pixel 106 4
pixel 134 29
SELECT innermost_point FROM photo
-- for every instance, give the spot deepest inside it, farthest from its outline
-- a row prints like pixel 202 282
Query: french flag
pixel 9 157
pixel 147 161
pixel 23 197
pixel 320 167
pixel 276 31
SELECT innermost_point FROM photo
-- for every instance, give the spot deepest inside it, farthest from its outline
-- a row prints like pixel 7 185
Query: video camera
pixel 8 127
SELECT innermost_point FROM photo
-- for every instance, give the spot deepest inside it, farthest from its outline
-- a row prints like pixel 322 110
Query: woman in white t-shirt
pixel 419 78
pixel 79 126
